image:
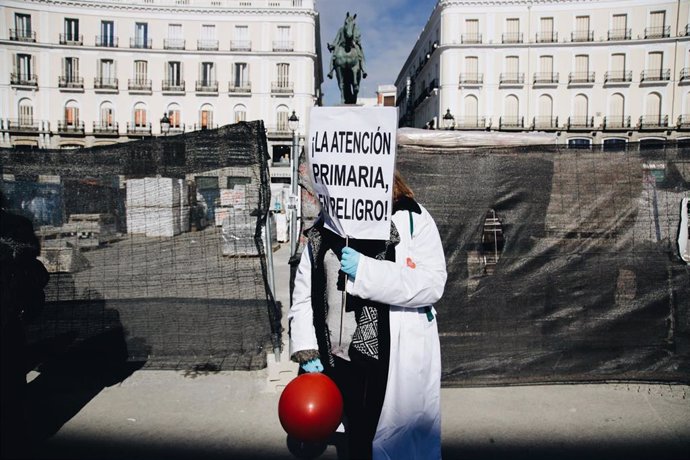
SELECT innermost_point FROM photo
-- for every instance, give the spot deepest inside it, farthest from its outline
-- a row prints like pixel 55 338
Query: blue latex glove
pixel 313 365
pixel 349 261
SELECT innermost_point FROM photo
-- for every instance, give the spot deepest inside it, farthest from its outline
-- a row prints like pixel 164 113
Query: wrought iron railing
pixel 618 76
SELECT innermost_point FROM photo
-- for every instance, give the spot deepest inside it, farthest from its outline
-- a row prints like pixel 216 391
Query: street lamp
pixel 448 120
pixel 165 124
pixel 293 124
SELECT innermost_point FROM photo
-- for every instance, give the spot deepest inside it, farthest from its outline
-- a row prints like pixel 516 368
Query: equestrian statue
pixel 347 60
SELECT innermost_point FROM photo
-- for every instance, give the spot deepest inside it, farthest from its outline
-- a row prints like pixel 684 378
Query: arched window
pixel 282 118
pixel 580 111
pixel 653 105
pixel 140 115
pixel 206 117
pixel 511 111
pixel 240 112
pixel 71 114
pixel 545 117
pixel 616 116
pixel 107 115
pixel 26 112
pixel 174 115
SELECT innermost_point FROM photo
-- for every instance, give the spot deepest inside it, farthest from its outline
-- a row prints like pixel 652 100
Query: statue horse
pixel 347 64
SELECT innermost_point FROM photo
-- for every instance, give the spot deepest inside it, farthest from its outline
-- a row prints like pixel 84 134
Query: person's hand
pixel 349 261
pixel 313 365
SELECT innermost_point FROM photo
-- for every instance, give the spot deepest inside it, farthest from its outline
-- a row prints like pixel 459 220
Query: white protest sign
pixel 351 165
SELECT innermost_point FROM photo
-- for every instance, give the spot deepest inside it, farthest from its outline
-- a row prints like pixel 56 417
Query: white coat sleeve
pixel 300 317
pixel 395 283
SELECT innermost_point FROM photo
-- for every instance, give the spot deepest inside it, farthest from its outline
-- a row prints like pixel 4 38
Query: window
pixel 472 67
pixel 283 72
pixel 283 43
pixel 545 74
pixel 140 115
pixel 107 115
pixel 174 73
pixel 208 38
pixel 206 117
pixel 241 41
pixel 580 116
pixel 512 107
pixel 22 26
pixel 471 112
pixel 71 114
pixel 207 76
pixel 282 118
pixel 141 35
pixel 71 31
pixel 616 116
pixel 107 76
pixel 582 32
pixel 546 109
pixel 240 113
pixel 512 34
pixel 107 37
pixel 619 30
pixel 657 25
pixel 546 33
pixel 70 72
pixel 24 67
pixel 653 106
pixel 26 113
pixel 241 75
pixel 175 116
pixel 140 72
pixel 617 72
pixel 175 38
pixel 471 31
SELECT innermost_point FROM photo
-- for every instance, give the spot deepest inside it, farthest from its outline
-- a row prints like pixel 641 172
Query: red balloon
pixel 310 407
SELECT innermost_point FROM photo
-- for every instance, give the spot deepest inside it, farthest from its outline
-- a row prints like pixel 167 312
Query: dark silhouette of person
pixel 22 278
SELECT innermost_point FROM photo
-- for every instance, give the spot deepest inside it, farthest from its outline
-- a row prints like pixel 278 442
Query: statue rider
pixel 339 42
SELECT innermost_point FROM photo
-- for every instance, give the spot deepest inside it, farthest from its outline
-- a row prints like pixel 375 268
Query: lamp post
pixel 293 124
pixel 448 120
pixel 165 124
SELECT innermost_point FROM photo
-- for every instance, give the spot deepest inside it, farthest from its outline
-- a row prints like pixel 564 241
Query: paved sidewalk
pixel 233 415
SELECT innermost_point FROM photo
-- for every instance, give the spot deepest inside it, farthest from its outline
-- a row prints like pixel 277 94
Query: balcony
pixel 70 82
pixel 173 86
pixel 582 36
pixel 25 126
pixel 22 35
pixel 511 78
pixel 283 45
pixel 71 39
pixel 282 87
pixel 139 85
pixel 509 123
pixel 240 45
pixel 683 122
pixel 106 41
pixel 653 122
pixel 511 37
pixel 655 75
pixel 204 126
pixel 657 32
pixel 105 129
pixel 619 34
pixel 684 76
pixel 546 37
pixel 616 123
pixel 207 87
pixel 179 129
pixel 243 88
pixel 140 43
pixel 470 123
pixel 105 84
pixel 545 78
pixel 581 78
pixel 471 79
pixel 575 123
pixel 279 130
pixel 207 45
pixel 138 129
pixel 22 79
pixel 618 76
pixel 544 123
pixel 67 128
pixel 472 39
pixel 174 43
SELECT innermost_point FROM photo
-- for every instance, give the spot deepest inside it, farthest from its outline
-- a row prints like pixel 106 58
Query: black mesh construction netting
pixel 563 264
pixel 156 244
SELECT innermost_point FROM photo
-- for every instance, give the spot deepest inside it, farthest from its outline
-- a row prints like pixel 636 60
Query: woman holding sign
pixel 362 313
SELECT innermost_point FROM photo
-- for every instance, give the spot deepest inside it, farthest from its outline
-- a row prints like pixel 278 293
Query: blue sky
pixel 389 30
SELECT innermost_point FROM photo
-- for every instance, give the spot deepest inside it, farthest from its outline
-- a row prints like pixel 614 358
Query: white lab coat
pixel 410 422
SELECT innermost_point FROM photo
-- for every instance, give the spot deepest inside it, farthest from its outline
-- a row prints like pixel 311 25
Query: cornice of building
pixel 237 7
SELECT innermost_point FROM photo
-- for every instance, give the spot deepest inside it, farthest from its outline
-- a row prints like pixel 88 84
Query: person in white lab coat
pixel 382 349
